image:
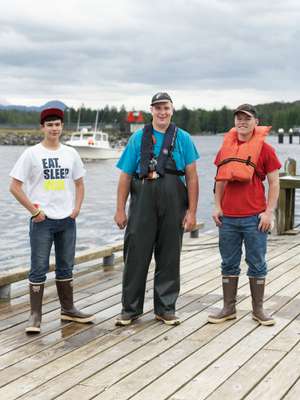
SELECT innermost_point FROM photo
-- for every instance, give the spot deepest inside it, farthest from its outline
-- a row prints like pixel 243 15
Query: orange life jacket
pixel 238 161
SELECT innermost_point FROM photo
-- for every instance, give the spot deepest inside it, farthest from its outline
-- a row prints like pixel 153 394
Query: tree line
pixel 278 114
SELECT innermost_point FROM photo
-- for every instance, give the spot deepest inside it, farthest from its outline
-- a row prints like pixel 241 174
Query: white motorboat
pixel 93 145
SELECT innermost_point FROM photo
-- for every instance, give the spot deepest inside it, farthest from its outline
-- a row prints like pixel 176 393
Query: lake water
pixel 95 223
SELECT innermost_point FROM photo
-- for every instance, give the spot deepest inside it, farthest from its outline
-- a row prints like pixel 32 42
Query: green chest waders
pixel 156 211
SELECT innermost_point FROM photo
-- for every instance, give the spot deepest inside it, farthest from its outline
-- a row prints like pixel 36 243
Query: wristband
pixel 36 214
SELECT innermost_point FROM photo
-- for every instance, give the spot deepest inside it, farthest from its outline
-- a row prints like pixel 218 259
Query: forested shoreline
pixel 196 121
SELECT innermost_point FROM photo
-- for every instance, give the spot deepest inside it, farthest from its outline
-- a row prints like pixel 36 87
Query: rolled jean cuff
pixel 36 283
pixel 64 279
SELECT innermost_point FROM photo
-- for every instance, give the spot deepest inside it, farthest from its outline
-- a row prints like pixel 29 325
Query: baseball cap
pixel 51 112
pixel 160 97
pixel 246 109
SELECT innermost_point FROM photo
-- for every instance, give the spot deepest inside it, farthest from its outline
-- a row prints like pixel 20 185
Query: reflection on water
pixel 95 223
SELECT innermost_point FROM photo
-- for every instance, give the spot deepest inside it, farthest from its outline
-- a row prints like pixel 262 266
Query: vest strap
pixel 227 160
pixel 147 153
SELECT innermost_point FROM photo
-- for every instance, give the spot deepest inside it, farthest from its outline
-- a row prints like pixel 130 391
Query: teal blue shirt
pixel 184 152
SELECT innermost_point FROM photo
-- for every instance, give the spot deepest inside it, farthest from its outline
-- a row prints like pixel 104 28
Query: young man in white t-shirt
pixel 53 176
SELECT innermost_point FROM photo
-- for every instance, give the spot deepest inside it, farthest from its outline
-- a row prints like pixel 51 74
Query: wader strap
pixel 146 150
pixel 174 172
pixel 166 148
pixel 167 171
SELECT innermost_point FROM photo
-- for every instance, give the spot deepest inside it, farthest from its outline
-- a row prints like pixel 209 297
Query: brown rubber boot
pixel 257 287
pixel 168 319
pixel 36 291
pixel 230 284
pixel 68 311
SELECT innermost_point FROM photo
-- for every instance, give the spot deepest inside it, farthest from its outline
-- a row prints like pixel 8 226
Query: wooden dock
pixel 150 361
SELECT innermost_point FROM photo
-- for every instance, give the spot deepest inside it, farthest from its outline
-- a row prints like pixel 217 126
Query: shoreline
pixel 30 137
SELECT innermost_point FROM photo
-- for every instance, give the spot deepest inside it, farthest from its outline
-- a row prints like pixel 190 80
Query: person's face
pixel 162 114
pixel 52 129
pixel 244 124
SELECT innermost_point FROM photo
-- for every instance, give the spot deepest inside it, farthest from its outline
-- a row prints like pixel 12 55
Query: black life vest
pixel 147 153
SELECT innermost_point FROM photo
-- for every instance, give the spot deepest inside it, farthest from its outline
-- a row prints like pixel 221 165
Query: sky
pixel 204 53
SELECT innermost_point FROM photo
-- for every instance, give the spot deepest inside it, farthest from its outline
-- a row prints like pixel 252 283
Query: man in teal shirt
pixel 158 169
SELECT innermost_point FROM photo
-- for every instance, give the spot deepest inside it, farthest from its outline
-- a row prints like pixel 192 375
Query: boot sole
pixel 126 322
pixel 79 320
pixel 32 329
pixel 265 323
pixel 165 321
pixel 220 320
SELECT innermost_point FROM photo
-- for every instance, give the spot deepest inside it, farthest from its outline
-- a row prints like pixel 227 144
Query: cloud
pixel 120 52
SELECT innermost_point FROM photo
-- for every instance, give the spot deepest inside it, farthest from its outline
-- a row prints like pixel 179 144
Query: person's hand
pixel 75 213
pixel 189 221
pixel 39 218
pixel 217 215
pixel 266 221
pixel 121 219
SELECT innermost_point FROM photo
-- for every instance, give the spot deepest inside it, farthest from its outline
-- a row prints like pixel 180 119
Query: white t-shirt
pixel 49 177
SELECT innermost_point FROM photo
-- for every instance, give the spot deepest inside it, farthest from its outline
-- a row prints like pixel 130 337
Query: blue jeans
pixel 42 235
pixel 232 234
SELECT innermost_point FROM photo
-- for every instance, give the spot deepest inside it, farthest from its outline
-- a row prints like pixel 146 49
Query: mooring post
pixel 194 233
pixel 285 213
pixel 280 135
pixel 108 262
pixel 5 292
pixel 291 133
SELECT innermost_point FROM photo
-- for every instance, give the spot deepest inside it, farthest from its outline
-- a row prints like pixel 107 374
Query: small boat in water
pixel 93 145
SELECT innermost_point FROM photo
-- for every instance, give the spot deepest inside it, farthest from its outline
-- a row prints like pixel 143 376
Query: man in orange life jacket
pixel 161 205
pixel 242 212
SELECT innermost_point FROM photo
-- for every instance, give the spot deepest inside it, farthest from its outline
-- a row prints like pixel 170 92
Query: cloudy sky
pixel 205 53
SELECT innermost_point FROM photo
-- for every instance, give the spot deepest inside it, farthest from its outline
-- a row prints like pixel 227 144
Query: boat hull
pixel 94 153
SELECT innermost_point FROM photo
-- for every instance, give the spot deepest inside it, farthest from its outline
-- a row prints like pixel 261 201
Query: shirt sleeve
pixel 190 151
pixel 22 168
pixel 78 168
pixel 129 158
pixel 271 161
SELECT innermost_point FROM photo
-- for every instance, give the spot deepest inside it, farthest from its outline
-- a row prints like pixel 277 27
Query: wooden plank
pixel 98 280
pixel 294 392
pixel 12 356
pixel 10 332
pixel 55 304
pixel 241 382
pixel 88 367
pixel 277 383
pixel 203 238
pixel 290 182
pixel 191 278
pixel 30 350
pixel 244 380
pixel 81 341
pixel 82 353
pixel 21 273
pixel 20 334
pixel 161 384
pixel 207 381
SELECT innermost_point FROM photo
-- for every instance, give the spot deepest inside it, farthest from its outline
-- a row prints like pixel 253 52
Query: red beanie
pixel 51 112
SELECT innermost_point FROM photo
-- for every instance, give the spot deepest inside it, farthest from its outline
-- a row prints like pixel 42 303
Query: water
pixel 95 222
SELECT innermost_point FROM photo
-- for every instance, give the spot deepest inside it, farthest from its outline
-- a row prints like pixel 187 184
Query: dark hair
pixel 52 118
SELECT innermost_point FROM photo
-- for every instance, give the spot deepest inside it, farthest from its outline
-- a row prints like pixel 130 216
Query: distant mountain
pixel 52 103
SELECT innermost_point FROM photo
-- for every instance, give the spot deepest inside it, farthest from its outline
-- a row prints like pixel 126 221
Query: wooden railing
pixel 106 253
pixel 285 213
